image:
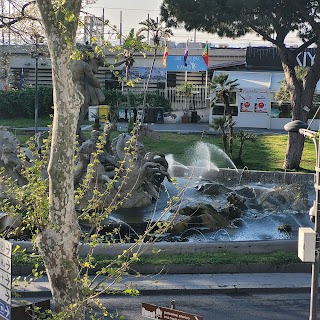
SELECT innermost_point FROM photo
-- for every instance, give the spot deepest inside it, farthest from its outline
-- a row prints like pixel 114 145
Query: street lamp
pixel 302 128
pixel 35 54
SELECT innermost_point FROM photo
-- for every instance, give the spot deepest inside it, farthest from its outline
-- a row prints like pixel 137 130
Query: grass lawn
pixel 266 153
pixel 275 258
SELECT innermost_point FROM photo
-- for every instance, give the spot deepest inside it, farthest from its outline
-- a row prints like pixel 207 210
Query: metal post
pixel 315 264
pixel 36 103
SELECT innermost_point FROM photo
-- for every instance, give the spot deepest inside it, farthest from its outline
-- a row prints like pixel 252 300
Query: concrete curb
pixel 189 291
pixel 188 284
pixel 147 269
pixel 184 247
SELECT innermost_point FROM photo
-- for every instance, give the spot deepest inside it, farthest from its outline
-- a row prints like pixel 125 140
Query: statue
pixel 84 76
pixel 84 72
pixel 139 183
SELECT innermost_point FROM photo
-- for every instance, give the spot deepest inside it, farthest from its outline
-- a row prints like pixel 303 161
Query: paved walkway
pixel 198 128
pixel 192 283
pixel 182 128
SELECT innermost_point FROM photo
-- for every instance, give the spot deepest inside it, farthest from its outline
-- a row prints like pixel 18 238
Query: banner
pixel 158 74
pixel 195 63
pixel 246 101
pixel 252 101
pixel 261 103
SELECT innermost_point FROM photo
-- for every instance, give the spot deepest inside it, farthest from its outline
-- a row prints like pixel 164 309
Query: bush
pixel 15 104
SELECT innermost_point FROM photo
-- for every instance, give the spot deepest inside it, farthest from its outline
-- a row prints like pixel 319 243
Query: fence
pixel 197 100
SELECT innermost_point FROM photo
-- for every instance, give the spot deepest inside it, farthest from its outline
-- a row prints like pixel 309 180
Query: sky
pixel 136 11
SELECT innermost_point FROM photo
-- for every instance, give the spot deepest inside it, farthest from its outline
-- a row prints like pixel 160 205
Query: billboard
pixel 194 64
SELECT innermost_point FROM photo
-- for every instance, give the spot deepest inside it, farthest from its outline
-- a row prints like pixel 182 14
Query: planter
pixel 185 119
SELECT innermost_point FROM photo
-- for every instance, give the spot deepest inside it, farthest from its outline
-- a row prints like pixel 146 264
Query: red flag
pixel 205 54
pixel 165 54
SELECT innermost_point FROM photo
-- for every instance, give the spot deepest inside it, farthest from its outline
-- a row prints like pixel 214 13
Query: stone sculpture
pixel 134 175
pixel 84 76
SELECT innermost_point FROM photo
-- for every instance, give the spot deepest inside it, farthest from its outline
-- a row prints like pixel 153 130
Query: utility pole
pixel 120 28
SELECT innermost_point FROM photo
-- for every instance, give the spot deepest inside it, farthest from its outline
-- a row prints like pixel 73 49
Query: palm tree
pixel 158 32
pixel 132 43
pixel 223 87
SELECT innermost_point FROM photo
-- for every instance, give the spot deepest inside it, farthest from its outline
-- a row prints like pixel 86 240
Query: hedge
pixel 17 104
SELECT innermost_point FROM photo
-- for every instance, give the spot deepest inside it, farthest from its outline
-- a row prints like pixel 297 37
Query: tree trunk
pixel 224 139
pixel 230 138
pixel 58 243
pixel 230 127
pixel 301 101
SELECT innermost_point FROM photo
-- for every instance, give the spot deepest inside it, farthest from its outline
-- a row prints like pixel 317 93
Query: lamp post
pixel 35 54
pixel 302 128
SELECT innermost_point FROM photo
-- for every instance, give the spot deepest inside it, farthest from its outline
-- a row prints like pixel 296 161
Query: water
pixel 201 158
pixel 210 157
pixel 254 224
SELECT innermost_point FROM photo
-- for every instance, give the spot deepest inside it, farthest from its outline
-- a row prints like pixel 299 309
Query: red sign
pixel 247 104
pixel 152 311
pixel 261 104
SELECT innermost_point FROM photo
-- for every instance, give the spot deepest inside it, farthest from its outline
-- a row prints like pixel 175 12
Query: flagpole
pixel 206 88
pixel 186 80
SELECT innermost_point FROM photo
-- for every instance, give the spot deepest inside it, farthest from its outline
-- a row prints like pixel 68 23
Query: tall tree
pixel 158 32
pixel 60 20
pixel 273 20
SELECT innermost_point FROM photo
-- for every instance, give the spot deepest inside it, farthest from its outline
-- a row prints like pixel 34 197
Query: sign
pixel 5 310
pixel 246 101
pixel 194 64
pixel 158 74
pixel 261 104
pixel 5 248
pixel 252 101
pixel 5 279
pixel 152 311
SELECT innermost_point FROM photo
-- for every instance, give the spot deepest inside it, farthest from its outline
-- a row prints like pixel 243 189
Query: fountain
pixel 214 206
pixel 254 209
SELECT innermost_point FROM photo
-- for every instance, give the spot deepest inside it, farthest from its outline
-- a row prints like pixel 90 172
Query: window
pixel 280 111
pixel 219 106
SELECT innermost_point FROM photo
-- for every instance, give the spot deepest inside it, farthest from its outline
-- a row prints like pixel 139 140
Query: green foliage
pixel 157 30
pixel 153 99
pixel 185 89
pixel 234 19
pixel 223 86
pixel 21 103
pixel 283 93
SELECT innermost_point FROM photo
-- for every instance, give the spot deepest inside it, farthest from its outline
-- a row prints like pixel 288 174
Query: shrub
pixel 16 104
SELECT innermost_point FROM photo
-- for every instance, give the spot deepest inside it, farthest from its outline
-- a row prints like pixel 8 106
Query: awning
pixel 249 80
pixel 262 81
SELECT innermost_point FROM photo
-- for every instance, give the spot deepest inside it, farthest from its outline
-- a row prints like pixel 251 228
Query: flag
pixel 186 52
pixel 205 54
pixel 22 79
pixel 165 54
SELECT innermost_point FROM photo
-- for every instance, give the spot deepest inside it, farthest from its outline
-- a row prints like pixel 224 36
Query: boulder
pixel 213 188
pixel 203 215
pixel 286 197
